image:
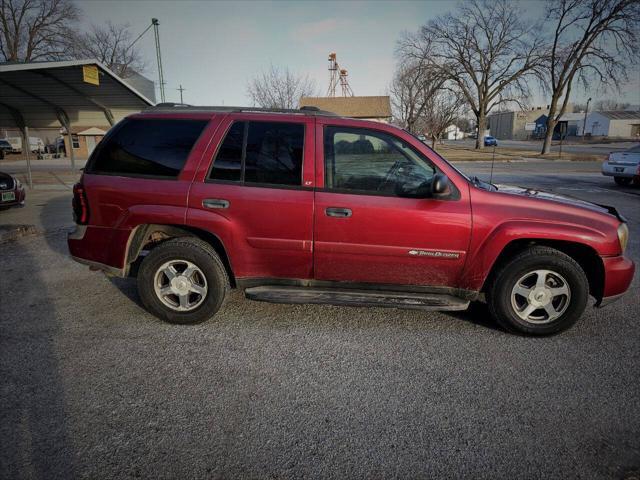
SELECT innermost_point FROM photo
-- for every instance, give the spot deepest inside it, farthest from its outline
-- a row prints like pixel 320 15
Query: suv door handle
pixel 338 212
pixel 215 203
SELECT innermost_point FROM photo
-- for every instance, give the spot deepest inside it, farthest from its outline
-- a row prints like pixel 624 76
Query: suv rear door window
pixel 268 153
pixel 147 147
pixel 228 163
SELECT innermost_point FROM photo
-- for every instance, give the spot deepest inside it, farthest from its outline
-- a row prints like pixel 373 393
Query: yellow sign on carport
pixel 90 74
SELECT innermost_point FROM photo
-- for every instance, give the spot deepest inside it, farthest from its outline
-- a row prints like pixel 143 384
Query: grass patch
pixel 457 153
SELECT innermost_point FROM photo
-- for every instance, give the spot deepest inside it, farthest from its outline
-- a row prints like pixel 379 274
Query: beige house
pixel 84 141
pixel 365 108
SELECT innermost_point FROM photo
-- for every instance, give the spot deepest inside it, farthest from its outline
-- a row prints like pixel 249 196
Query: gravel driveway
pixel 94 387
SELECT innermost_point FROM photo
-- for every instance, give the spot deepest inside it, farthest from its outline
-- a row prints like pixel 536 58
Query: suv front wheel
pixel 183 280
pixel 540 291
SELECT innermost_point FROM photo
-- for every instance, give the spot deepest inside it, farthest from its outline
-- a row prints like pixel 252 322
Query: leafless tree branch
pixel 483 49
pixel 593 40
pixel 280 88
pixel 33 30
pixel 110 44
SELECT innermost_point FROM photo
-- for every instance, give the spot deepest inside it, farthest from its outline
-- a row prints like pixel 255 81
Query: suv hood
pixel 554 197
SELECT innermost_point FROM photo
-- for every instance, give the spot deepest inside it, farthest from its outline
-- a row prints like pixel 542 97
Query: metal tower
pixel 344 83
pixel 337 76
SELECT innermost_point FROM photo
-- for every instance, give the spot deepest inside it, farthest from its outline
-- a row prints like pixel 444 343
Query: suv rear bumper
pixel 108 269
pixel 100 248
pixel 618 274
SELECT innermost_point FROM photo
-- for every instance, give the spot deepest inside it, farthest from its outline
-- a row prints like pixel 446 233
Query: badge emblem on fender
pixel 433 254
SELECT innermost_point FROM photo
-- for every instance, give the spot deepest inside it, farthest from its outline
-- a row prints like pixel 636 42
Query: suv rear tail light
pixel 80 205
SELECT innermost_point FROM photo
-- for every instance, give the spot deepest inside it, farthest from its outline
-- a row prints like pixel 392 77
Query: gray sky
pixel 213 48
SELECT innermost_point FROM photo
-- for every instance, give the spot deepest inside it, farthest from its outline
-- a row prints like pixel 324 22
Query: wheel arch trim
pixel 142 235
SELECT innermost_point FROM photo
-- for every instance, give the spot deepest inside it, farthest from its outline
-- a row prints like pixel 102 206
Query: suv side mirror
pixel 440 185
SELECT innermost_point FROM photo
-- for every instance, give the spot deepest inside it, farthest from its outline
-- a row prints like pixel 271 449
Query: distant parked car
pixel 35 143
pixel 623 166
pixel 5 147
pixel 490 141
pixel 422 138
pixel 11 191
pixel 16 144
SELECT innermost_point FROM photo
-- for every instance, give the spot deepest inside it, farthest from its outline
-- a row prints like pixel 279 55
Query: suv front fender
pixel 485 251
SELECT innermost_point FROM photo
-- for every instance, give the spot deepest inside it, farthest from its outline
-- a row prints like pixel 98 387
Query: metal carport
pixel 50 94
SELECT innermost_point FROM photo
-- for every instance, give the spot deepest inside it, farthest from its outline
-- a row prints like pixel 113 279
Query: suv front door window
pixel 368 162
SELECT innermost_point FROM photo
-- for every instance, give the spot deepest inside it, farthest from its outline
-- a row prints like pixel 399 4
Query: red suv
pixel 302 206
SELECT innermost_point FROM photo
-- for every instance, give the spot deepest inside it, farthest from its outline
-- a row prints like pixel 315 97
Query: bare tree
pixel 111 45
pixel 33 30
pixel 413 84
pixel 609 104
pixel 463 122
pixel 592 39
pixel 484 49
pixel 442 110
pixel 280 88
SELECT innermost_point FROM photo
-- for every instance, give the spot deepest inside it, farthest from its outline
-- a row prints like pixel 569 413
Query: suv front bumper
pixel 618 274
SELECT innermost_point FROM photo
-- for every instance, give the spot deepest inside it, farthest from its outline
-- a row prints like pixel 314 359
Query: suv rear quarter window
pixel 147 147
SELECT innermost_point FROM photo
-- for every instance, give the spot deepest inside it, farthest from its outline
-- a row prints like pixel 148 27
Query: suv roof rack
pixel 170 106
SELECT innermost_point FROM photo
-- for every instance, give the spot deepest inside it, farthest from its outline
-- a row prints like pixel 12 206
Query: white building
pixel 616 124
pixel 453 133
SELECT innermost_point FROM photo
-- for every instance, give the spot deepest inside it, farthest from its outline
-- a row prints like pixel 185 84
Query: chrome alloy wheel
pixel 540 296
pixel 180 285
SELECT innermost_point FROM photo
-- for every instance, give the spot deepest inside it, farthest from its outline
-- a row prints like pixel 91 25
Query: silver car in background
pixel 623 166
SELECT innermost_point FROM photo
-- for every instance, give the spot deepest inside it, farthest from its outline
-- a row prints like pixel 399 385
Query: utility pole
pixel 156 24
pixel 181 90
pixel 584 124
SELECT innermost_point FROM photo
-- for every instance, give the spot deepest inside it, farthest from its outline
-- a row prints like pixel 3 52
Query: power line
pixel 139 37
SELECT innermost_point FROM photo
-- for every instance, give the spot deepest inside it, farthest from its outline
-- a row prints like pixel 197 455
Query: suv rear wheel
pixel 183 281
pixel 540 291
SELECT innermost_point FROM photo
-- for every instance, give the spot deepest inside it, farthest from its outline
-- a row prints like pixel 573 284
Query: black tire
pixel 622 181
pixel 200 254
pixel 499 293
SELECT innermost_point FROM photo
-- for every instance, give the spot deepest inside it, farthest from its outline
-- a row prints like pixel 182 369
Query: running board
pixel 356 298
